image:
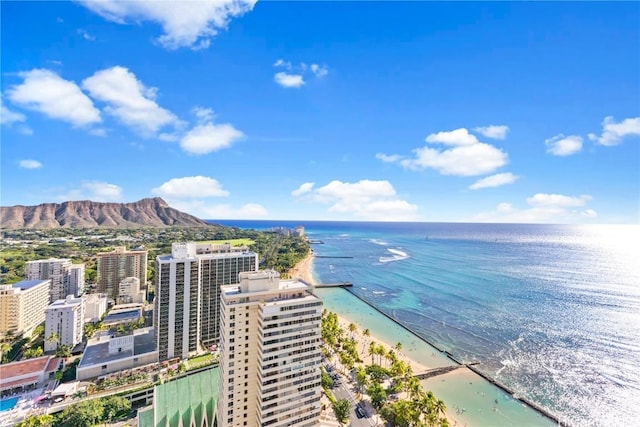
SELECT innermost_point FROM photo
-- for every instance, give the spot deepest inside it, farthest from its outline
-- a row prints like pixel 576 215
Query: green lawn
pixel 234 242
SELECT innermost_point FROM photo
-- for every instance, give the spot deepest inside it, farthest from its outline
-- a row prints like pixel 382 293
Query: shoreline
pixel 304 271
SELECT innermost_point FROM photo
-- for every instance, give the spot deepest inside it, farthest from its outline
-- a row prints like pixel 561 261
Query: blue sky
pixel 424 111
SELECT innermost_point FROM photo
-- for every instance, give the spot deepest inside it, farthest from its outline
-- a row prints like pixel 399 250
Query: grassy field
pixel 234 242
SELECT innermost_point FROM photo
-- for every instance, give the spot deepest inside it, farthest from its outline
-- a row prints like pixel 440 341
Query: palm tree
pixel 373 350
pixel 352 328
pixel 53 338
pixel 367 334
pixel 5 348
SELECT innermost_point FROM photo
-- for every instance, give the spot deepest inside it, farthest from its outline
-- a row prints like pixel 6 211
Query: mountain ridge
pixel 148 212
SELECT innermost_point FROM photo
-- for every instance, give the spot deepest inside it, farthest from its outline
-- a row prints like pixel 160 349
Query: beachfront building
pixel 107 352
pixel 28 374
pixel 270 353
pixel 95 305
pixel 64 323
pixel 76 280
pixel 114 266
pixel 218 266
pixel 129 291
pixel 177 302
pixel 190 279
pixel 22 306
pixel 54 269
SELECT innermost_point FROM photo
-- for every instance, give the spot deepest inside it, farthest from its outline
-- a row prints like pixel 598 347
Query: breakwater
pixel 325 256
pixel 472 366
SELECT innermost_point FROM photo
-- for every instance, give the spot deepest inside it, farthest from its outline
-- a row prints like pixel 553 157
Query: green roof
pixel 188 401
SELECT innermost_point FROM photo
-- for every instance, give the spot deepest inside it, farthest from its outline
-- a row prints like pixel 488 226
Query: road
pixel 342 390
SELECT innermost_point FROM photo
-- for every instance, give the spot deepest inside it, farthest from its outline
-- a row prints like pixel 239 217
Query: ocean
pixel 550 311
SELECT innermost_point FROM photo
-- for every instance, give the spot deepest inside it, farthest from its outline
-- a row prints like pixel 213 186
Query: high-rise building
pixel 270 353
pixel 22 306
pixel 177 302
pixel 218 268
pixel 207 268
pixel 64 323
pixel 117 265
pixel 56 270
pixel 76 280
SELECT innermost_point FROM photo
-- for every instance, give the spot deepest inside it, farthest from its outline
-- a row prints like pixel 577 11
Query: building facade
pixel 177 302
pixel 270 353
pixel 56 270
pixel 129 291
pixel 76 280
pixel 194 270
pixel 22 306
pixel 218 269
pixel 95 305
pixel 64 323
pixel 113 267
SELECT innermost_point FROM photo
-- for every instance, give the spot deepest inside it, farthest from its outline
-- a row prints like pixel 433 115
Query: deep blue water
pixel 552 311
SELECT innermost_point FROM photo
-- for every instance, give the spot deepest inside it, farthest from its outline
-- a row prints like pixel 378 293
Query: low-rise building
pixel 129 291
pixel 64 323
pixel 107 353
pixel 95 306
pixel 22 306
pixel 28 374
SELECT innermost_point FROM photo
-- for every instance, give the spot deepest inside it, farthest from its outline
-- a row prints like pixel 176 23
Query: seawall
pixel 471 367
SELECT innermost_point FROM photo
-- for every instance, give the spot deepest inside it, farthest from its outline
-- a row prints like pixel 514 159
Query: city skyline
pixel 417 111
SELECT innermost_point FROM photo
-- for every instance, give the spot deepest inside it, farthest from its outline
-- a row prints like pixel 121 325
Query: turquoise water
pixel 8 404
pixel 550 311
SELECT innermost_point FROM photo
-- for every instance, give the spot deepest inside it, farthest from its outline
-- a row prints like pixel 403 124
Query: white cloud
pixel 493 131
pixel 365 199
pixel 30 164
pixel 203 114
pixel 543 208
pixel 185 23
pixel 394 158
pixel 46 92
pixel 85 35
pixel 613 133
pixel 557 200
pixel 467 157
pixel 96 191
pixel 319 70
pixel 207 138
pixel 191 187
pixel 561 145
pixel 129 100
pixel 282 63
pixel 304 188
pixel 288 80
pixel 456 137
pixel 295 77
pixel 8 117
pixel 201 209
pixel 494 181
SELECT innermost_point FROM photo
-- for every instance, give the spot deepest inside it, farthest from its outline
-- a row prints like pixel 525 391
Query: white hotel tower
pixel 270 353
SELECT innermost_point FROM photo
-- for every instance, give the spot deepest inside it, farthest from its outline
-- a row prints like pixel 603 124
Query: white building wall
pixel 95 305
pixel 65 319
pixel 56 270
pixel 270 353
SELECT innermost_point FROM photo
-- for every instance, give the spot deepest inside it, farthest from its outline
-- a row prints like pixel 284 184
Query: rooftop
pixel 29 366
pixel 97 352
pixel 27 284
pixel 123 316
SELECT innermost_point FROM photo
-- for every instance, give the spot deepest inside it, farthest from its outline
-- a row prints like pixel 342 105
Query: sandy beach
pixel 304 271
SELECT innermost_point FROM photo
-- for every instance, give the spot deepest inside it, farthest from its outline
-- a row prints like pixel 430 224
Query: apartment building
pixel 177 302
pixel 64 323
pixel 57 270
pixel 129 291
pixel 199 270
pixel 219 267
pixel 270 353
pixel 76 280
pixel 114 266
pixel 22 306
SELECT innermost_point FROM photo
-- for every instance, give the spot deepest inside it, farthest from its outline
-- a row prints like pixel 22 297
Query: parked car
pixel 360 412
